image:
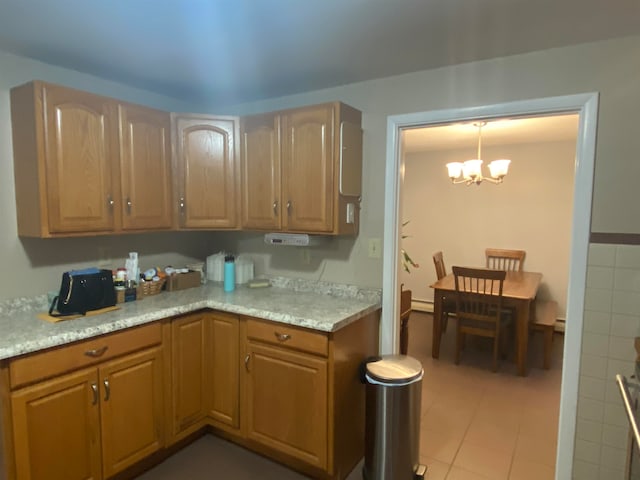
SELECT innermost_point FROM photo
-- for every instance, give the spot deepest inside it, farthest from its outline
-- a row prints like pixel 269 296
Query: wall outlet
pixel 305 256
pixel 375 248
pixel 351 213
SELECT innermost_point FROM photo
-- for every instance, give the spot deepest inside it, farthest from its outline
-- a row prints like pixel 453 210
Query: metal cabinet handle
pixel 94 389
pixel 275 207
pixel 246 362
pixel 107 390
pixel 129 205
pixel 96 352
pixel 289 207
pixel 182 205
pixel 110 202
pixel 282 337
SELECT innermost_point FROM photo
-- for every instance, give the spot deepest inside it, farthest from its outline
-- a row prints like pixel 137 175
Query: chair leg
pixel 459 343
pixel 445 321
pixel 404 335
pixel 496 344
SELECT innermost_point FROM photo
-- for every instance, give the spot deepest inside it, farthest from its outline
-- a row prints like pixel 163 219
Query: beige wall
pixel 603 67
pixel 532 211
pixel 34 266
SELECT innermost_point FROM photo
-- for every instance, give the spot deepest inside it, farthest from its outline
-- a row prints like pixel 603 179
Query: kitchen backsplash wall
pixel 611 322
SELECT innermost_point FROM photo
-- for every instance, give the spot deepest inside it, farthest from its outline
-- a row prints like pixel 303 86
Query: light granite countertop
pixel 317 305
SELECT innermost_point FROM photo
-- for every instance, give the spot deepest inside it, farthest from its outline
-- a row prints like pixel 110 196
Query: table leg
pixel 522 334
pixel 437 323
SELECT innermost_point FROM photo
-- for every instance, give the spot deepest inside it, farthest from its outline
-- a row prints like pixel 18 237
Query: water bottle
pixel 229 273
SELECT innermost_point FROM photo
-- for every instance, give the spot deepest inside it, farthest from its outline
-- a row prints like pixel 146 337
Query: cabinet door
pixel 307 169
pixel 57 428
pixel 223 369
pixel 79 135
pixel 131 409
pixel 206 164
pixel 189 363
pixel 261 200
pixel 287 402
pixel 145 168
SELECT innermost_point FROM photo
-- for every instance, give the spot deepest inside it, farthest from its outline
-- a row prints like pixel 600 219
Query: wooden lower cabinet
pixel 205 371
pixel 86 411
pixel 287 402
pixel 57 429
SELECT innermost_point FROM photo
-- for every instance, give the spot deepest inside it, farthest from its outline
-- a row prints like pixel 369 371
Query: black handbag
pixel 82 291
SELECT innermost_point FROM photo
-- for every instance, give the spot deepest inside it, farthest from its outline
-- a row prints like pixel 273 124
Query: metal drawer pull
pixel 107 390
pixel 246 362
pixel 96 352
pixel 283 337
pixel 94 389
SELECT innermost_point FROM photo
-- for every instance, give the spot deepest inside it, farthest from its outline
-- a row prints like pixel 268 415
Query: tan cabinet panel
pixel 224 371
pixel 57 430
pixel 308 169
pixel 63 147
pixel 131 410
pixel 287 402
pixel 295 163
pixel 207 171
pixel 145 168
pixel 189 363
pixel 262 202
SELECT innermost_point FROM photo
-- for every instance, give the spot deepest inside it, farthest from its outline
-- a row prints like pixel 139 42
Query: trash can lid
pixel 394 370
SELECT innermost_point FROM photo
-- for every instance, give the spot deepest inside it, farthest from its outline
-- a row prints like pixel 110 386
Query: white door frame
pixel 586 106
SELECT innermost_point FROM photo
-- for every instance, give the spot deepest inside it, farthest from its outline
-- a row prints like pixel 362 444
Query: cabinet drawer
pixel 288 336
pixel 38 366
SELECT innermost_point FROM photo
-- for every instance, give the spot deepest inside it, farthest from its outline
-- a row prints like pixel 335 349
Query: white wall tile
pixel 597 322
pixel 611 474
pixel 626 303
pixel 595 344
pixel 589 430
pixel 600 277
pixel 628 256
pixel 612 392
pixel 583 470
pixel 621 348
pixel 590 409
pixel 591 387
pixel 614 414
pixel 587 451
pixel 601 254
pixel 625 325
pixel 593 366
pixel 612 457
pixel 615 436
pixel 625 279
pixel 598 299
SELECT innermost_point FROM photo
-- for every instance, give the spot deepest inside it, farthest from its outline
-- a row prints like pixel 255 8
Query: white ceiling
pixel 229 51
pixel 495 132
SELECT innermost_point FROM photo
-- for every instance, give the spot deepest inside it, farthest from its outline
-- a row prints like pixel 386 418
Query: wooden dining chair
pixel 405 312
pixel 479 308
pixel 502 259
pixel 448 304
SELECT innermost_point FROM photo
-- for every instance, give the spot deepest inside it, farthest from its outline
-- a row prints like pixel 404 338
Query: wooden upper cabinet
pixel 295 165
pixel 64 142
pixel 86 164
pixel 145 168
pixel 206 171
pixel 261 199
pixel 308 165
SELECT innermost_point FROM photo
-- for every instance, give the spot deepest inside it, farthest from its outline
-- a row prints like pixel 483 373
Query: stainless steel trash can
pixel 392 422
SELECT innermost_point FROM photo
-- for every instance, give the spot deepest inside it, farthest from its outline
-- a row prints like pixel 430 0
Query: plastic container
pixel 229 273
pixel 215 267
pixel 244 269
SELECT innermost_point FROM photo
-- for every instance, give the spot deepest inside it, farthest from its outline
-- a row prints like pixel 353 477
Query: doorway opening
pixel 585 105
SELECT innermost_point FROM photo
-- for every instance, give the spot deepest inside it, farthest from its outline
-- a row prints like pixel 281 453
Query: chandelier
pixel 471 171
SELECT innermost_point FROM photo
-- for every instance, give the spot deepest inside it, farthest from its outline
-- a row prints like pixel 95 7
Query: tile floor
pixel 475 425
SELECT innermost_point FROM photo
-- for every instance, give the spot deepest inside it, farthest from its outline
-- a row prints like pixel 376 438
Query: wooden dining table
pixel 518 292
